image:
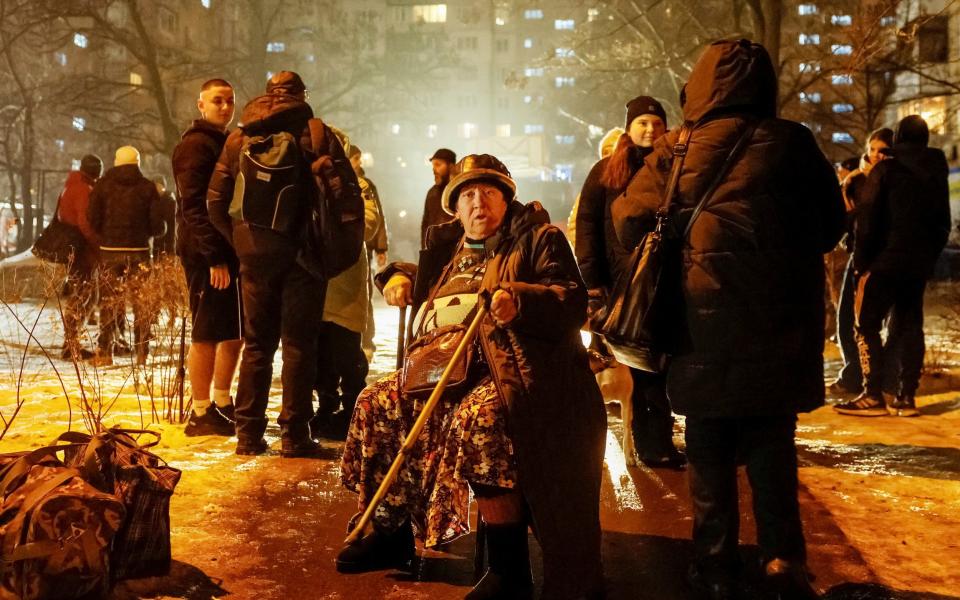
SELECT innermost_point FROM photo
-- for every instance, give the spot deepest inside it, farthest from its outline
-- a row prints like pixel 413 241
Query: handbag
pixel 115 463
pixel 428 356
pixel 646 302
pixel 59 242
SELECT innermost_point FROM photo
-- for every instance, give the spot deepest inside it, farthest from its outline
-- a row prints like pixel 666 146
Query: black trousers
pixel 342 368
pixel 652 418
pixel 850 376
pixel 715 446
pixel 79 292
pixel 280 301
pixel 880 295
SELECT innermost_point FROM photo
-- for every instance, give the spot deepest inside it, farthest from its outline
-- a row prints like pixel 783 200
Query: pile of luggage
pixel 79 515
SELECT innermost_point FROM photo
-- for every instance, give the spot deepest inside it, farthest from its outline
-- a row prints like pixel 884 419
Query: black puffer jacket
pixel 125 210
pixel 600 254
pixel 906 218
pixel 194 159
pixel 752 267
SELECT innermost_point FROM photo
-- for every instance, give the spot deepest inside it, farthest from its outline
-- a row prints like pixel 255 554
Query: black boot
pixel 788 580
pixel 378 550
pixel 508 577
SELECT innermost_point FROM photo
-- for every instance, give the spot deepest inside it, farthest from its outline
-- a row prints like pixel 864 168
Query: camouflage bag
pixel 116 463
pixel 55 530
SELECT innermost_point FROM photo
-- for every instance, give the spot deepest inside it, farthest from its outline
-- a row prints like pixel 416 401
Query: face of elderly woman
pixel 480 208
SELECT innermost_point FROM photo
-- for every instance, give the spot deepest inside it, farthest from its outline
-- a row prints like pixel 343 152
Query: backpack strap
pixel 318 135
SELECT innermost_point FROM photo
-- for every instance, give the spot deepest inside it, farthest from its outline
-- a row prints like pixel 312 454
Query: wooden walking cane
pixel 417 427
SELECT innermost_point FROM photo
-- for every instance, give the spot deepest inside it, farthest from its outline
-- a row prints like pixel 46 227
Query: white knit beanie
pixel 126 155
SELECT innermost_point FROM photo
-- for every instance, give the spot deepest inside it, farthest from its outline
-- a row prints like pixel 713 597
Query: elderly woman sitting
pixel 527 433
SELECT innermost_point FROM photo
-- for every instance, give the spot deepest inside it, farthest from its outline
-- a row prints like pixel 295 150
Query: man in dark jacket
pixel 752 320
pixel 210 266
pixel 280 297
pixel 72 210
pixel 124 212
pixel 433 213
pixel 901 231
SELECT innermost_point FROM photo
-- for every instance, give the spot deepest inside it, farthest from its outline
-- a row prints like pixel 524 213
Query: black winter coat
pixel 125 210
pixel 194 159
pixel 906 221
pixel 752 273
pixel 600 254
pixel 555 413
pixel 433 213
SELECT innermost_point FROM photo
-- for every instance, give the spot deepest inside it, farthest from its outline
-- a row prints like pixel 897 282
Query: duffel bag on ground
pixel 116 463
pixel 55 531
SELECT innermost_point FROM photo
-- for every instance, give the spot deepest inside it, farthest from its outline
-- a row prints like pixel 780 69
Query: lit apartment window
pixel 533 71
pixel 75 164
pixel 592 14
pixel 809 67
pixel 563 172
pixel 532 129
pixel 500 15
pixel 395 128
pixel 136 78
pixel 842 107
pixel 807 9
pixel 467 130
pixel 432 131
pixel 527 99
pixel 564 52
pixel 809 39
pixel 311 58
pixel 60 145
pixel 276 47
pixel 841 49
pixel 61 58
pixel 564 140
pixel 887 21
pixel 810 97
pixel 79 123
pixel 205 3
pixel 528 43
pixel 80 40
pixel 565 82
pixel 533 14
pixel 843 79
pixel 842 137
pixel 841 20
pixel 503 130
pixel 564 24
pixel 430 13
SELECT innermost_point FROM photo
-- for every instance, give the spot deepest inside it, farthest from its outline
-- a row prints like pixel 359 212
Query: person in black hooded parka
pixel 753 314
pixel 901 231
pixel 602 259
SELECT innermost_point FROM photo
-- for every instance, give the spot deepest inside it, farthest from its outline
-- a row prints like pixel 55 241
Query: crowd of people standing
pixel 523 429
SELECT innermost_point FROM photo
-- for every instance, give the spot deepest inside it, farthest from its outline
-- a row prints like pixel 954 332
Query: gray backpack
pixel 270 187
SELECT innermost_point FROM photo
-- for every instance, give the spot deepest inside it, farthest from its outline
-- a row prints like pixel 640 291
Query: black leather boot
pixel 508 577
pixel 379 550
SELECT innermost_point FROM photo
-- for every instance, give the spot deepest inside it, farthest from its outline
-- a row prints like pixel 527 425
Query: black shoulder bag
pixel 59 242
pixel 646 305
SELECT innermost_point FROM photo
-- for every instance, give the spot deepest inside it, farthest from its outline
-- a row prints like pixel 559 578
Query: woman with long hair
pixel 602 258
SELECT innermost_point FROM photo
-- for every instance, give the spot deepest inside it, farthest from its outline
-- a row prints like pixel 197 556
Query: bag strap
pixel 428 305
pixel 22 465
pixel 732 157
pixel 679 153
pixel 318 134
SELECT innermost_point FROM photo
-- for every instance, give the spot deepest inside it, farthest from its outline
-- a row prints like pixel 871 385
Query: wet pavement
pixel 268 528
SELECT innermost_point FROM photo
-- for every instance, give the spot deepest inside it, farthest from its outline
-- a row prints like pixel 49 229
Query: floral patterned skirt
pixel 463 443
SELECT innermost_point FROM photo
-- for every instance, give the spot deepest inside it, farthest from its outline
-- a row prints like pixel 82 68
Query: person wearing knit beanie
pixel 126 155
pixel 644 105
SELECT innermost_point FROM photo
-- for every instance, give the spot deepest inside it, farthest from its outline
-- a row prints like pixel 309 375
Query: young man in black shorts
pixel 210 266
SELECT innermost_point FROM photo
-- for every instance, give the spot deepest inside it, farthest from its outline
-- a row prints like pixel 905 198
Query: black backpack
pixel 269 189
pixel 333 232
